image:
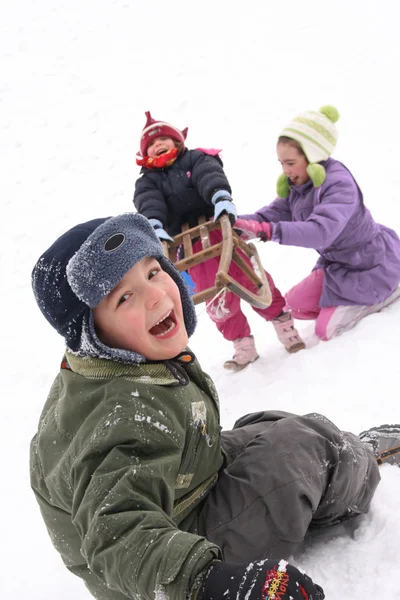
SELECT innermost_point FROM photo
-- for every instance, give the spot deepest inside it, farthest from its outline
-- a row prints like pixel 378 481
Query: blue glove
pixel 163 235
pixel 223 205
pixel 160 231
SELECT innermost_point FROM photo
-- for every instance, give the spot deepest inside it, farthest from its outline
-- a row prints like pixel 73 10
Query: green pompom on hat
pixel 317 135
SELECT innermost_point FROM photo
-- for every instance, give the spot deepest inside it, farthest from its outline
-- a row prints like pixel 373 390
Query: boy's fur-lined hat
pixel 84 265
pixel 316 133
pixel 154 129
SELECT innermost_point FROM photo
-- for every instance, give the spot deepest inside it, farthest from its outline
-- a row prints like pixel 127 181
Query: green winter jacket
pixel 121 460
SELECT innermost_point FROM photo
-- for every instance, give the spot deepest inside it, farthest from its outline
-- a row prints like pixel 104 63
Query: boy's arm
pixel 123 495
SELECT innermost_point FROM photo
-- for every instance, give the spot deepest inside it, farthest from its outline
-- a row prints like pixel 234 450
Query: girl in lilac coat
pixel 320 206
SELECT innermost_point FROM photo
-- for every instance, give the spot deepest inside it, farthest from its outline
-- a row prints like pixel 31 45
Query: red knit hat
pixel 154 129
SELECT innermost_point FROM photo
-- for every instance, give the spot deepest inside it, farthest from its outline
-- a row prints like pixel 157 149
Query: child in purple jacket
pixel 320 206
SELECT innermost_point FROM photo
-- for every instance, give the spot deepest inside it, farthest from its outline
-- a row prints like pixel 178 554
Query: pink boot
pixel 287 333
pixel 245 353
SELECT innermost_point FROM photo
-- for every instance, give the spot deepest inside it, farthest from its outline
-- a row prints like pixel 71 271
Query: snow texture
pixel 77 78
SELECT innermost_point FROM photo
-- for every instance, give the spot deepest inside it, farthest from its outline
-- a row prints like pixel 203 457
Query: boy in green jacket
pixel 142 495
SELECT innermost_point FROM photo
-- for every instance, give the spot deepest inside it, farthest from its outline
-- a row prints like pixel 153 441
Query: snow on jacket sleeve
pixel 123 493
pixel 208 175
pixel 337 203
pixel 149 199
pixel 278 210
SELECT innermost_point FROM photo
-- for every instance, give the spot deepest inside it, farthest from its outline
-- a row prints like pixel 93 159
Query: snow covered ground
pixel 76 78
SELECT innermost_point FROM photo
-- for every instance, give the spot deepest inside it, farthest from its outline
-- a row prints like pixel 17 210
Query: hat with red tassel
pixel 154 129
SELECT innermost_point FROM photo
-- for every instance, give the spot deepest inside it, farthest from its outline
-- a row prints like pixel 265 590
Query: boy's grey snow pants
pixel 284 474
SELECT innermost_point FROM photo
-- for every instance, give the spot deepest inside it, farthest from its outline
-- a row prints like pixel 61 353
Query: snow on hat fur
pixel 317 135
pixel 84 265
pixel 154 129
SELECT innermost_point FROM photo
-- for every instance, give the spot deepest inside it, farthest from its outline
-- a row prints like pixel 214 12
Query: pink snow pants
pixel 225 310
pixel 303 300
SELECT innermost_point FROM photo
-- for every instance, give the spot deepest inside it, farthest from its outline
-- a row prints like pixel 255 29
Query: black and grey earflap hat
pixel 84 265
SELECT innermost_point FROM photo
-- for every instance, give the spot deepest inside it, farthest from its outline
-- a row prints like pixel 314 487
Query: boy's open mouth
pixel 164 326
pixel 162 151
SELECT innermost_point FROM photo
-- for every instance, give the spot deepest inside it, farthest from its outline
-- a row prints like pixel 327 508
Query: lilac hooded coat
pixel 360 258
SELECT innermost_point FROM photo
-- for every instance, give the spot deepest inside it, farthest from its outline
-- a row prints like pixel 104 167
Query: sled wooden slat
pixel 199 257
pixel 210 292
pixel 238 260
pixel 229 250
pixel 187 241
pixel 204 236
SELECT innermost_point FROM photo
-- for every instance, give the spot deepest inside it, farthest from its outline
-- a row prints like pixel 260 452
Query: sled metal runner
pixel 231 248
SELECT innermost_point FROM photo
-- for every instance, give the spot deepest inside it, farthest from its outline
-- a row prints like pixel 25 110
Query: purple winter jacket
pixel 360 258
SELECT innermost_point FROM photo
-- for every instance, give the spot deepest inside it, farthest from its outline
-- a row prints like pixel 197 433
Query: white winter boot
pixel 345 318
pixel 287 333
pixel 245 353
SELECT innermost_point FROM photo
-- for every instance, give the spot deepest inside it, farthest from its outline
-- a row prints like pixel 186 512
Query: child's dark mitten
pixel 262 580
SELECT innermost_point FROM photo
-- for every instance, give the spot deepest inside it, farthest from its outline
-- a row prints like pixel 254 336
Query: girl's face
pixel 143 313
pixel 294 163
pixel 159 146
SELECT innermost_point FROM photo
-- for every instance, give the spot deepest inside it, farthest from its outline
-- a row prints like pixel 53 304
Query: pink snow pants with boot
pixel 303 300
pixel 225 310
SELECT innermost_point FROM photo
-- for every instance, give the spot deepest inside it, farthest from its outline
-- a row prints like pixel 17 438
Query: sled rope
pixel 220 303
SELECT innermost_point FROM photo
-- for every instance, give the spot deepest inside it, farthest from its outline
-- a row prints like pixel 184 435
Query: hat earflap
pixel 316 173
pixel 282 186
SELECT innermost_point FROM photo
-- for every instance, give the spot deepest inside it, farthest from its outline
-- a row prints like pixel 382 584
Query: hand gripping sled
pixel 231 248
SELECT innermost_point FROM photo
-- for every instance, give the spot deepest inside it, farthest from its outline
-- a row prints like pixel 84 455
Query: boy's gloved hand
pixel 262 580
pixel 223 206
pixel 249 230
pixel 160 231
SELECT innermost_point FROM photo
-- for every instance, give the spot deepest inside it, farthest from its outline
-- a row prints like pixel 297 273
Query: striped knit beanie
pixel 154 129
pixel 317 135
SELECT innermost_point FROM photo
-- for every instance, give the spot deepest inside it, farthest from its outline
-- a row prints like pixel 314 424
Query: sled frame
pixel 228 250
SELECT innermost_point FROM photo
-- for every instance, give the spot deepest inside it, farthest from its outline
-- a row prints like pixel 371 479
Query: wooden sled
pixel 228 250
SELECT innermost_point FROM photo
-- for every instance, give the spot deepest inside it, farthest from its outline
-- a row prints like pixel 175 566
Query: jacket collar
pixel 100 368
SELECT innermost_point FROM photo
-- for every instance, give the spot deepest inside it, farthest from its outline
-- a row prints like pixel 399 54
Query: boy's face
pixel 159 146
pixel 143 313
pixel 294 164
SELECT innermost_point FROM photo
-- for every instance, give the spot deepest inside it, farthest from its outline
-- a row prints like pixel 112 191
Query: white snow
pixel 76 79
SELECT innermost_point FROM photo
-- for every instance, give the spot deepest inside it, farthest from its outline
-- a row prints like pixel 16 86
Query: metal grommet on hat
pixel 114 242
